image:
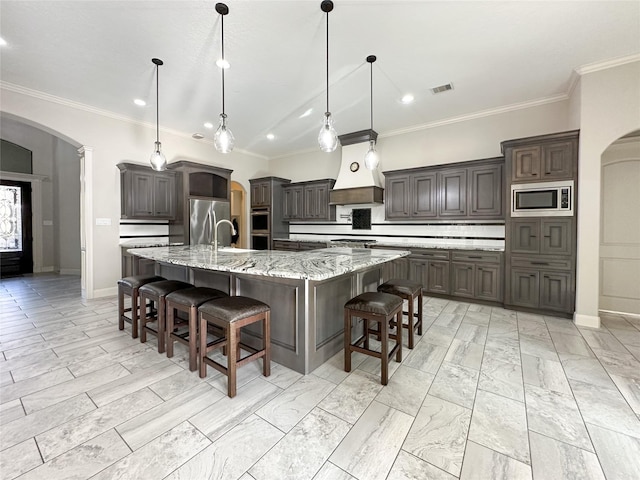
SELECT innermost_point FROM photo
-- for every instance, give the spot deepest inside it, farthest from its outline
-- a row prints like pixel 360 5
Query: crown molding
pixel 614 62
pixel 106 113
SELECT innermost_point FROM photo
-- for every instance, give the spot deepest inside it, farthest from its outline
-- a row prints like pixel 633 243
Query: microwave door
pixel 536 200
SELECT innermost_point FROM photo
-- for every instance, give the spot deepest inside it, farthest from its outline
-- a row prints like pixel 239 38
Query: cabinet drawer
pixel 430 254
pixel 541 263
pixel 284 245
pixel 311 245
pixel 476 256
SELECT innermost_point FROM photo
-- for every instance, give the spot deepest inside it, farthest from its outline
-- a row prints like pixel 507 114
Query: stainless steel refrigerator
pixel 201 222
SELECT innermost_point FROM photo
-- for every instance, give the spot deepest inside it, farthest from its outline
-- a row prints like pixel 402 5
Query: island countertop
pixel 316 265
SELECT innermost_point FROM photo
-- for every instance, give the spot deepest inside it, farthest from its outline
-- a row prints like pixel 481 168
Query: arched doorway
pixel 620 226
pixel 238 215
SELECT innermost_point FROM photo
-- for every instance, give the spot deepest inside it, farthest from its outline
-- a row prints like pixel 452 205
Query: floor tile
pixel 466 354
pixel 502 350
pixel 561 325
pixel 288 408
pixel 551 460
pixel 481 463
pixel 534 330
pixel 538 348
pixel 406 390
pixel 556 415
pixel 35 384
pixel 177 446
pixel 426 357
pixel 545 374
pixel 500 424
pixel 283 377
pixel 470 332
pixel 174 385
pixel 352 397
pixel 630 389
pixel 19 459
pixel 619 454
pixel 10 411
pixel 502 378
pixel 618 363
pixel 303 451
pixel 438 434
pixel 439 336
pixel 603 340
pixel 333 369
pixel 456 384
pixel 569 343
pixel 370 447
pixel 585 369
pixel 480 319
pixel 449 320
pixel 233 453
pixel 408 467
pixel 330 472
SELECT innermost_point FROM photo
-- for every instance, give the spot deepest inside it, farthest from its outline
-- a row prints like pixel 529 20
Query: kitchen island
pixel 305 290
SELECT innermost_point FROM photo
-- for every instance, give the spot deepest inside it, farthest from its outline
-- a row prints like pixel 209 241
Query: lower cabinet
pixel 297 246
pixel 134 265
pixel 542 289
pixel 431 268
pixel 477 275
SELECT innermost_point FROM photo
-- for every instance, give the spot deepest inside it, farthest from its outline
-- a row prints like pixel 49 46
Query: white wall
pixel 115 139
pixel 609 109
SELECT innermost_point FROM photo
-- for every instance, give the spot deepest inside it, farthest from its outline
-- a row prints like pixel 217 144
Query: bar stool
pixel 377 307
pixel 130 286
pixel 157 292
pixel 407 290
pixel 187 301
pixel 230 314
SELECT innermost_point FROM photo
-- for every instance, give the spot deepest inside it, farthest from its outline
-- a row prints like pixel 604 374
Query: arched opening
pixel 238 215
pixel 619 261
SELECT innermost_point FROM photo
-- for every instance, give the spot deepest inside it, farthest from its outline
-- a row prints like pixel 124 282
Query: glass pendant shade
pixel 371 158
pixel 158 160
pixel 223 138
pixel 328 138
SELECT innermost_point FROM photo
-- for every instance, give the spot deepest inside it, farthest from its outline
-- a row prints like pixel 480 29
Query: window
pixel 10 219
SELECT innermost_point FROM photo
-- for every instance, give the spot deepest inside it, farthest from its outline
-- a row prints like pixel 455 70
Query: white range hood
pixel 356 184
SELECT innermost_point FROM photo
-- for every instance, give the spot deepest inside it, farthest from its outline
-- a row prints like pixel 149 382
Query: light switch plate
pixel 47 223
pixel 103 221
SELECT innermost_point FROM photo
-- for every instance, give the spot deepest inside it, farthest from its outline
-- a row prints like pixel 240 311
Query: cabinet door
pixel 418 272
pixel 487 282
pixel 256 194
pixel 293 202
pixel 310 202
pixel 485 191
pixel 525 164
pixel 322 202
pixel 438 277
pixel 260 194
pixel 556 236
pixel 525 236
pixel 452 187
pixel 557 160
pixel 525 287
pixel 164 193
pixel 462 280
pixel 397 196
pixel 423 192
pixel 555 291
pixel 142 194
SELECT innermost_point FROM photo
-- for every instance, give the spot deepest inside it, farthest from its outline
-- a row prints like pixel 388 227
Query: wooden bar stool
pixel 377 307
pixel 130 286
pixel 157 292
pixel 407 290
pixel 230 314
pixel 187 301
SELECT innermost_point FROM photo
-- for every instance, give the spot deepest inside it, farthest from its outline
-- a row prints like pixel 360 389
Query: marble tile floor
pixel 486 393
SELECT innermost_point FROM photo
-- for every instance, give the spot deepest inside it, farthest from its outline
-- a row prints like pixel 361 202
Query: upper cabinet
pixel 147 194
pixel 470 190
pixel 543 158
pixel 261 193
pixel 308 201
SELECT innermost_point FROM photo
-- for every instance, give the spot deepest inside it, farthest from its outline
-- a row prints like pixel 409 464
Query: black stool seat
pixel 407 290
pixel 187 300
pixel 374 302
pixel 381 308
pixel 230 314
pixel 157 292
pixel 233 309
pixel 130 286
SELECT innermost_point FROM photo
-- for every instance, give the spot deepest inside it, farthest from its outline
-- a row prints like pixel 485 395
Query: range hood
pixel 356 184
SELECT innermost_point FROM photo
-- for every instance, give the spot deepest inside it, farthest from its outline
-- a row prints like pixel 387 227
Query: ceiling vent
pixel 442 88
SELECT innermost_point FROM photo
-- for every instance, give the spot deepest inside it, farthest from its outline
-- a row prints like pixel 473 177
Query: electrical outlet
pixel 103 221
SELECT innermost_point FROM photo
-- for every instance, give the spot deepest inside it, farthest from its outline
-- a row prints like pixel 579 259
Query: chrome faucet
pixel 216 224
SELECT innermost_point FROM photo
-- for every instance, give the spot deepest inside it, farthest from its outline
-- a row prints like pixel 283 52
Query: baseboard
pixel 105 292
pixel 69 271
pixel 43 269
pixel 581 320
pixel 624 314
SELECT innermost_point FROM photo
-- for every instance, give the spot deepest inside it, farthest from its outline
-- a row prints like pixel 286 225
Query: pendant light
pixel 223 138
pixel 158 160
pixel 371 158
pixel 327 138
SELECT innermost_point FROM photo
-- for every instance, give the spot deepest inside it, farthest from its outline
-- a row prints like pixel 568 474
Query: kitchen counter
pixel 409 244
pixel 314 265
pixel 144 243
pixel 306 291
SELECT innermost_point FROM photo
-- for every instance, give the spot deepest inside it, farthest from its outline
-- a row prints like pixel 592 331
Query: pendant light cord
pixel 371 95
pixel 222 28
pixel 157 104
pixel 327 61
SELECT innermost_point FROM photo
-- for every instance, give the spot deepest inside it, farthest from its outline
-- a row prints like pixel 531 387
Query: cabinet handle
pixel 532 275
pixel 475 257
pixel 469 268
pixel 539 263
pixel 547 236
pixel 479 269
pixel 532 236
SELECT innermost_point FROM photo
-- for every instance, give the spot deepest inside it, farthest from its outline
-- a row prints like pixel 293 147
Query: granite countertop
pixel 318 264
pixel 142 243
pixel 413 243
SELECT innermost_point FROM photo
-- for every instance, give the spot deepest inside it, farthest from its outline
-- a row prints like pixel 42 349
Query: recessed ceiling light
pixel 442 88
pixel 3 42
pixel 306 113
pixel 407 99
pixel 208 125
pixel 198 136
pixel 222 63
pixel 270 136
pixel 139 102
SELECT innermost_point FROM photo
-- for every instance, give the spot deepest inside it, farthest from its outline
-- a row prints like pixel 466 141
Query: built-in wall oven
pixel 544 199
pixel 260 229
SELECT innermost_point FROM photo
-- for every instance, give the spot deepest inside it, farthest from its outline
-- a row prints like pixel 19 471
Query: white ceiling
pixel 496 54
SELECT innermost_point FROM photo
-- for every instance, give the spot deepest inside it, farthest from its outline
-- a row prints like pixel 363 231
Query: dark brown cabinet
pixel 308 201
pixel 297 246
pixel 261 193
pixel 431 269
pixel 477 275
pixel 267 215
pixel 147 194
pixel 525 288
pixel 540 288
pixel 546 236
pixel 472 190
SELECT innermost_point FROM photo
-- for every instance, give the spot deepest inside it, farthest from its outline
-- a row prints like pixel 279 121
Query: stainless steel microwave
pixel 545 199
